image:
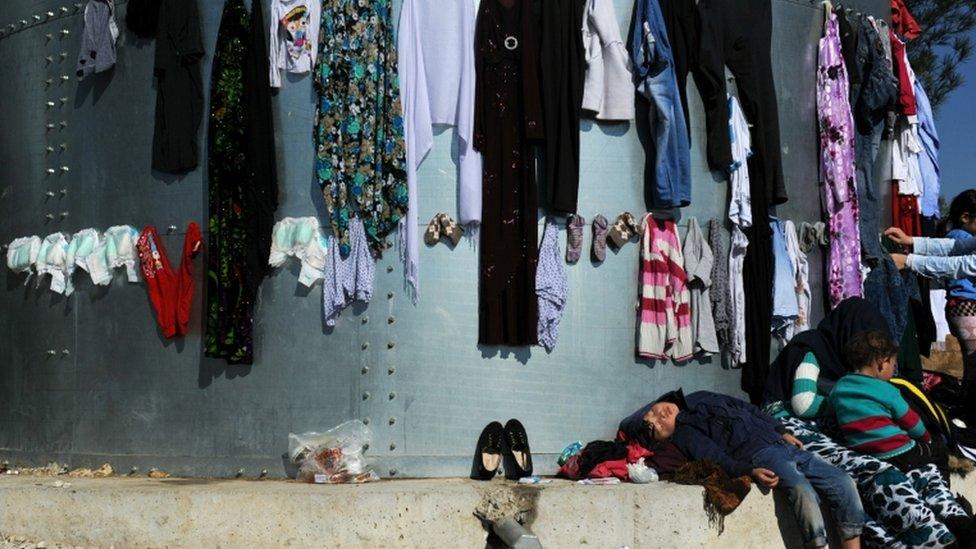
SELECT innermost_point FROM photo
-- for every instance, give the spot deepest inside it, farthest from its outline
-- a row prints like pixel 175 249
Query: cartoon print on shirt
pixel 296 23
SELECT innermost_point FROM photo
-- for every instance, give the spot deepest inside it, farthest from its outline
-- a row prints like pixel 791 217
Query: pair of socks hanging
pixel 443 225
pixel 624 228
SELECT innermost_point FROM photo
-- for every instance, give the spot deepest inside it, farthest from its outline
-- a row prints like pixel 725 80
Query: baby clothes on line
pixel 294 37
pixel 82 245
pixel 698 266
pixel 22 254
pixel 737 297
pixel 117 248
pixel 347 279
pixel 665 318
pixel 550 286
pixel 607 88
pixel 740 197
pixel 302 239
pixel 170 292
pixel 52 259
pixel 98 38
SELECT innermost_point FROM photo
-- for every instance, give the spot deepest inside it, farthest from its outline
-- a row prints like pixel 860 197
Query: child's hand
pixel 765 477
pixel 899 237
pixel 901 260
pixel 790 439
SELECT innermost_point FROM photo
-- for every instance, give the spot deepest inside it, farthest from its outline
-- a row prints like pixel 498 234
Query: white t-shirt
pixel 294 37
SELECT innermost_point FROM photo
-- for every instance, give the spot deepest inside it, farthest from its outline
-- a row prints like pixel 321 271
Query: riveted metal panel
pixel 124 394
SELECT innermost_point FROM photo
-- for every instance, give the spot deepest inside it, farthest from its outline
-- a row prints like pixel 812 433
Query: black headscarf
pixel 853 316
pixel 633 426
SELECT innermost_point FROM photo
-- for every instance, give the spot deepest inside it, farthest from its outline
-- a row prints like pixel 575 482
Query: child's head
pixel 872 353
pixel 962 213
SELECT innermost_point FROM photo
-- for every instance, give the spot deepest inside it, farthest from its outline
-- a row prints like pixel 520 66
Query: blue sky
pixel 956 123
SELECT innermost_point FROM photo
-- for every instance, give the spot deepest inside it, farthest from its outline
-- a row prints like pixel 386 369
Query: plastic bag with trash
pixel 336 456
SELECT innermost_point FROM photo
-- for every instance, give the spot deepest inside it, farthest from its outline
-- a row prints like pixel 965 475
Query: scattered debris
pixel 61 484
pixel 104 471
pixel 156 473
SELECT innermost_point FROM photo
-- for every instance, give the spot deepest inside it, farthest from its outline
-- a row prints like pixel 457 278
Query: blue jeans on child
pixel 805 478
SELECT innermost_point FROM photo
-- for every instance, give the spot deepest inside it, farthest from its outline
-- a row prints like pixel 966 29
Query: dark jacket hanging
pixel 179 87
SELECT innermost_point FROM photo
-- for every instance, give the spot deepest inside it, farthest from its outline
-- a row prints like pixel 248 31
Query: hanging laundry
pixel 740 201
pixel 170 292
pixel 551 286
pixel 360 160
pixel 607 88
pixel 179 87
pixel 928 158
pixel 837 168
pixel 302 239
pixel 242 190
pixel 684 32
pixel 719 292
pixel 97 53
pixel 22 255
pixel 786 308
pixel 293 37
pixel 801 278
pixel 903 21
pixel 80 248
pixel 142 17
pixel 665 316
pixel 670 153
pixel 435 49
pixel 906 92
pixel 349 278
pixel 117 248
pixel 508 121
pixel 737 297
pixel 52 259
pixel 698 268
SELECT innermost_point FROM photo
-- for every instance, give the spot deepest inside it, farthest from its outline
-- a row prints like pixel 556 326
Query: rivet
pixel 64 9
pixel 77 6
pixel 65 169
pixel 49 59
pixel 64 100
pixel 51 352
pixel 389 295
pixel 365 319
pixel 50 171
pixel 37 18
pixel 63 124
pixel 366 446
pixel 50 194
pixel 50 14
pixel 65 32
pixel 64 214
pixel 389 268
pixel 392 446
pixel 390 320
pixel 133 470
pixel 171 228
pixel 49 149
pixel 63 55
pixel 23 22
pixel 364 370
pixel 63 146
pixel 65 352
pixel 392 395
pixel 391 370
pixel 390 345
pixel 392 420
pixel 63 192
pixel 65 78
pixel 365 395
pixel 365 345
pixel 49 126
pixel 365 422
pixel 264 473
pixel 393 472
pixel 49 81
pixel 240 473
pixel 49 217
pixel 47 36
pixel 50 104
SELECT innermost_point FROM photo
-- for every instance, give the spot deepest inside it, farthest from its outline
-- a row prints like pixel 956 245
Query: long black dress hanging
pixel 242 188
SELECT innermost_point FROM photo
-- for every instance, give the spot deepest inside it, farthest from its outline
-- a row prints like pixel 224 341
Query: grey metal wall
pixel 114 390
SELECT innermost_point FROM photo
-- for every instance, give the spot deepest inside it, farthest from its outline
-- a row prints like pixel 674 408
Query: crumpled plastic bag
pixel 336 456
pixel 640 473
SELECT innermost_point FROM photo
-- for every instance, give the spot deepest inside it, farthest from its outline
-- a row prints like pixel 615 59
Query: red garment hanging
pixel 905 213
pixel 170 292
pixel 903 22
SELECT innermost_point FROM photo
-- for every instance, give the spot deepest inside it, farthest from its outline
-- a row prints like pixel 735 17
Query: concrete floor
pixel 128 512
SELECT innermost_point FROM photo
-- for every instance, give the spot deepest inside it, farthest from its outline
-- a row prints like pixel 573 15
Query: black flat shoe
pixel 488 453
pixel 518 457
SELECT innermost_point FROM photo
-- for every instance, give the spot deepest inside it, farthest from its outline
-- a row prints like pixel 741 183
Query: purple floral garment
pixel 837 169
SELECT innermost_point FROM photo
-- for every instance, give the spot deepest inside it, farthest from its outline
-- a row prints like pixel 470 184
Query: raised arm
pixel 933 266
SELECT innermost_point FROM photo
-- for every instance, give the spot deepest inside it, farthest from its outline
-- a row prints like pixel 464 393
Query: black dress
pixel 179 87
pixel 508 123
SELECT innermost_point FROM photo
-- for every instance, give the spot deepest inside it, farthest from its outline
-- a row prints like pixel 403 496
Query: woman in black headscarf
pixel 799 380
pixel 805 371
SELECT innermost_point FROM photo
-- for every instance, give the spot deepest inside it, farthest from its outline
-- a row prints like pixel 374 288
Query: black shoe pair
pixel 497 443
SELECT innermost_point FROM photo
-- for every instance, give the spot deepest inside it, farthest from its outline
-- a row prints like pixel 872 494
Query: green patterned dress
pixel 360 156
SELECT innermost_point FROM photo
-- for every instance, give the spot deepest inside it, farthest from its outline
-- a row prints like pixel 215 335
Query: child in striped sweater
pixel 874 418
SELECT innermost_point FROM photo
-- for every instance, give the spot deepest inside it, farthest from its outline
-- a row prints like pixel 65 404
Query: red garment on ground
pixel 170 292
pixel 904 212
pixel 665 460
pixel 903 22
pixel 906 91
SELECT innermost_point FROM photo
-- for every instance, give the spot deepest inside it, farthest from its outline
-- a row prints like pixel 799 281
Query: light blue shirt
pixel 785 306
pixel 928 160
pixel 949 258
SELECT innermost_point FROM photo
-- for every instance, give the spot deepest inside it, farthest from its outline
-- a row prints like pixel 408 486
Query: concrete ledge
pixel 403 513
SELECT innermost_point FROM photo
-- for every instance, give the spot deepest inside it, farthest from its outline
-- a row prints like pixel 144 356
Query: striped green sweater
pixel 874 418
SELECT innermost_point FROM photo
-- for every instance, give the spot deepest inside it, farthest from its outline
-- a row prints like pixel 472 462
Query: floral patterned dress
pixel 360 156
pixel 837 168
